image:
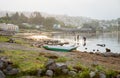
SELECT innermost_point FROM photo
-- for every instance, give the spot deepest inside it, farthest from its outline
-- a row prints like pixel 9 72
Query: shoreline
pixel 85 58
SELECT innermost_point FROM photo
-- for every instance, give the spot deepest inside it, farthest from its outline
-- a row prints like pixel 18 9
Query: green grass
pixel 100 68
pixel 83 74
pixel 4 38
pixel 61 59
pixel 111 73
pixel 18 41
pixel 27 62
pixel 30 62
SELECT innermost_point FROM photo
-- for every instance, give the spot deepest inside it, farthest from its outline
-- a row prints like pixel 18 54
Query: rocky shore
pixel 53 69
pixel 6 67
pixel 94 64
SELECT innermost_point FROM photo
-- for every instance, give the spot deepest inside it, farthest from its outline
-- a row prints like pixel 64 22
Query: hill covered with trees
pixel 35 20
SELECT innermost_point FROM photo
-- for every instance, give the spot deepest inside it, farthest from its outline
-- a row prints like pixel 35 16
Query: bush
pixel 110 74
pixel 61 59
pixel 83 74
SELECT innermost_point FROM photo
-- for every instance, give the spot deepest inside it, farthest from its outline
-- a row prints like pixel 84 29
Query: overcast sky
pixel 98 9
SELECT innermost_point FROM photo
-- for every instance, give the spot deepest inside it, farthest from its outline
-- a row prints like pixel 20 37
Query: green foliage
pixel 110 74
pixel 61 59
pixel 27 62
pixel 79 66
pixel 33 20
pixel 70 67
pixel 100 68
pixel 42 58
pixel 5 19
pixel 83 74
pixel 4 38
pixel 49 22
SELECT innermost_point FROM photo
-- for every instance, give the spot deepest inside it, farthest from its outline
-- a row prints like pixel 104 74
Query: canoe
pixel 60 48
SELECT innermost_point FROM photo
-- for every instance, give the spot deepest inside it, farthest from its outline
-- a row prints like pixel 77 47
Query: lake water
pixel 111 41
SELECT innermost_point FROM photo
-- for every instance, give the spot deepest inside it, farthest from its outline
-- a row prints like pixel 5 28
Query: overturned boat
pixel 60 48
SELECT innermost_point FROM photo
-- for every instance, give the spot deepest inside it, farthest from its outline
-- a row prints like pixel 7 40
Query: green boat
pixel 60 48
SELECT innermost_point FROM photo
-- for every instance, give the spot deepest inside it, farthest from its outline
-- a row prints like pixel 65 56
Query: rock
pixel 14 71
pixel 2 74
pixel 65 71
pixel 108 50
pixel 6 61
pixel 79 71
pixel 61 66
pixel 1 64
pixel 9 67
pixel 92 74
pixel 2 51
pixel 51 65
pixel 39 73
pixel 72 73
pixel 97 50
pixel 102 75
pixel 49 62
pixel 11 40
pixel 75 70
pixel 102 45
pixel 118 76
pixel 95 63
pixel 49 73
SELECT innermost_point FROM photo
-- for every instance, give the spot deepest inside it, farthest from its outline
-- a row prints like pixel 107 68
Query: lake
pixel 111 41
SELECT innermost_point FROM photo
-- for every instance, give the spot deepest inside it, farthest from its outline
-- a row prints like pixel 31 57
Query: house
pixel 9 27
pixel 56 26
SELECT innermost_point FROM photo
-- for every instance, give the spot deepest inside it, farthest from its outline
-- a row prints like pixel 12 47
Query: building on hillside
pixel 56 26
pixel 8 29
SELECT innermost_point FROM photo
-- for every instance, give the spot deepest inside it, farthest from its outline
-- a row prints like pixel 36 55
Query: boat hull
pixel 59 49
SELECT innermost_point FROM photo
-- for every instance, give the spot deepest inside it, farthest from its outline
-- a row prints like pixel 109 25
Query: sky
pixel 96 9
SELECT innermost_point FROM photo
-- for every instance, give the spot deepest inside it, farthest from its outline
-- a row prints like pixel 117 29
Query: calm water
pixel 111 41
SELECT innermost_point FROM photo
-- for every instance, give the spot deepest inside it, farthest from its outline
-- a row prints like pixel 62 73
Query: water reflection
pixel 118 37
pixel 111 40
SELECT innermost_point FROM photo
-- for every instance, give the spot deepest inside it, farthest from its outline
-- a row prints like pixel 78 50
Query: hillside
pixel 73 21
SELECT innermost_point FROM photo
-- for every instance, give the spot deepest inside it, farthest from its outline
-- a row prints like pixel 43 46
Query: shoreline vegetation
pixel 30 60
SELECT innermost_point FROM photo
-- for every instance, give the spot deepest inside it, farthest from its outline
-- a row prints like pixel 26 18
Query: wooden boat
pixel 60 48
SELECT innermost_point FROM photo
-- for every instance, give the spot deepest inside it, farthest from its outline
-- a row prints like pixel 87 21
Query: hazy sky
pixel 100 9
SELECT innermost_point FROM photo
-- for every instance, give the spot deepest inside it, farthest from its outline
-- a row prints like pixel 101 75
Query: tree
pixel 49 22
pixel 23 18
pixel 15 18
pixel 36 18
pixel 5 19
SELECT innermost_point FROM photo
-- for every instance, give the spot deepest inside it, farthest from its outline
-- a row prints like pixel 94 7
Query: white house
pixel 56 26
pixel 9 27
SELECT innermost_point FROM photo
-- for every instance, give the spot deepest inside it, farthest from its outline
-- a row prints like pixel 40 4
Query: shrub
pixel 61 59
pixel 84 74
pixel 110 73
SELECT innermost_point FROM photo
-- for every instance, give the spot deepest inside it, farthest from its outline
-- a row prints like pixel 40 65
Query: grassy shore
pixel 29 60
